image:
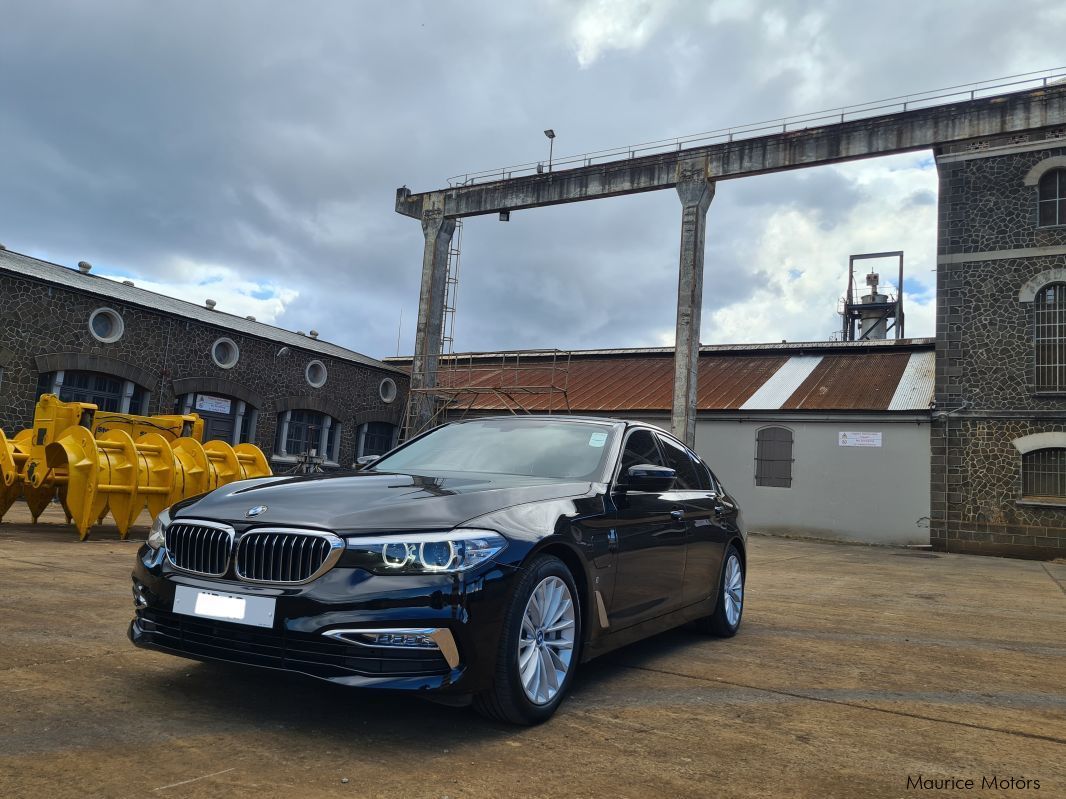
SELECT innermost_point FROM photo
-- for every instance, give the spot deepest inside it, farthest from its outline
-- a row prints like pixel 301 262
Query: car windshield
pixel 535 448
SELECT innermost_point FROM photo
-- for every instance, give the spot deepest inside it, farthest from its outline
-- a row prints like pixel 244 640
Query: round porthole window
pixel 106 325
pixel 387 390
pixel 316 374
pixel 225 354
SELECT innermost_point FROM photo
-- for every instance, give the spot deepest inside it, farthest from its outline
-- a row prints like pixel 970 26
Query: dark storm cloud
pixel 269 137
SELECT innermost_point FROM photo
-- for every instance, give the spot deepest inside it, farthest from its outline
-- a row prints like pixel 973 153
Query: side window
pixel 640 448
pixel 773 457
pixel 678 459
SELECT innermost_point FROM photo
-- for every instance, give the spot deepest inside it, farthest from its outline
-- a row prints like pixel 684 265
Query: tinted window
pixel 548 449
pixel 678 459
pixel 640 448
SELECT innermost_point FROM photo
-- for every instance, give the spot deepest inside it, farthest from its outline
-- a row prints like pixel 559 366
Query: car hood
pixel 373 501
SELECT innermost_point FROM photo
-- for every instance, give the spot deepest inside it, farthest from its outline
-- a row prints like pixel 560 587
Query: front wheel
pixel 725 621
pixel 539 646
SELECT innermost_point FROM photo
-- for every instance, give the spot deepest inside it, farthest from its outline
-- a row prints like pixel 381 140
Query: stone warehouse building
pixel 91 339
pixel 999 438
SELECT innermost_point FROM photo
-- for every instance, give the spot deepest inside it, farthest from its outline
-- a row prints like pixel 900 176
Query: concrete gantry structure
pixel 694 171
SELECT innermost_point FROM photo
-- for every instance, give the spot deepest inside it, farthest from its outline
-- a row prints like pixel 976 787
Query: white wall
pixel 870 494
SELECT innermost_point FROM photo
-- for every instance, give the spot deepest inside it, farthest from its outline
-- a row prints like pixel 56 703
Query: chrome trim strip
pixel 336 550
pixel 225 528
pixel 441 636
pixel 601 610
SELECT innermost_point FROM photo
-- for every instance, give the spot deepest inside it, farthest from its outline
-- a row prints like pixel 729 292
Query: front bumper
pixel 316 626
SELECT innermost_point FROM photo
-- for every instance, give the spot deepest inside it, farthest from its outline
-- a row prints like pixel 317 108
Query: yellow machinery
pixel 99 462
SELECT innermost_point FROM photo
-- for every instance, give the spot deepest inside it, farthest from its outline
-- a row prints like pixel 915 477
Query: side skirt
pixel 606 642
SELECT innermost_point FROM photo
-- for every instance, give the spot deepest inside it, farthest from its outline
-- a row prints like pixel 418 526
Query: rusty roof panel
pixel 897 381
pixel 781 385
pixel 850 382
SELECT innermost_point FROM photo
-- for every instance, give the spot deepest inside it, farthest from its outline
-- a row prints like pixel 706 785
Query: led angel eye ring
pixel 435 566
pixel 396 555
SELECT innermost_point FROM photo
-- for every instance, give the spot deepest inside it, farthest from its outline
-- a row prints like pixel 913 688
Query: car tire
pixel 729 609
pixel 509 699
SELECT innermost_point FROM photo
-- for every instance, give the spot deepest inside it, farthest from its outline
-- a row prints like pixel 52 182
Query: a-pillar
pixel 438 231
pixel 695 190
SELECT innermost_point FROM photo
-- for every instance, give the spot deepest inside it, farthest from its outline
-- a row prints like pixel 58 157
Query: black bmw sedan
pixel 480 561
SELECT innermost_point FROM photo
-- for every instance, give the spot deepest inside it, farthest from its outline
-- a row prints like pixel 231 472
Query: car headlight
pixel 424 553
pixel 157 535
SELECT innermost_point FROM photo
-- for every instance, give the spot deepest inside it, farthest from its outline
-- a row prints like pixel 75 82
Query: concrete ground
pixel 855 669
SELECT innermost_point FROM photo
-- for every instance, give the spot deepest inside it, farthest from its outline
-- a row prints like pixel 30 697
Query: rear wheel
pixel 728 611
pixel 539 646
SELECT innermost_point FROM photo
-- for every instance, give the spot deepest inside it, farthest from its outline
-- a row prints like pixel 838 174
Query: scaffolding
pixel 534 381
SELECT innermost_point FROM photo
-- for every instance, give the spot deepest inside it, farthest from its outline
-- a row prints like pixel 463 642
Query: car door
pixel 650 540
pixel 705 517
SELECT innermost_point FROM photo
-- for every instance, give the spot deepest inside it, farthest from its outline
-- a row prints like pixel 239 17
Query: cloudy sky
pixel 250 152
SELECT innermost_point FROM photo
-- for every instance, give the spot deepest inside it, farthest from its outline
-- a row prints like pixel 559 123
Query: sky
pixel 250 152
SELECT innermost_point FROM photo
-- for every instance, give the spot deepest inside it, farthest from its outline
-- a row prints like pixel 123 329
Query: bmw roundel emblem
pixel 258 509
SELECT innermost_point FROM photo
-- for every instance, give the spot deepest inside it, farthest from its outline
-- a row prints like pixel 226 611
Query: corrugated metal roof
pixel 916 384
pixel 850 382
pixel 26 266
pixel 871 380
pixel 781 385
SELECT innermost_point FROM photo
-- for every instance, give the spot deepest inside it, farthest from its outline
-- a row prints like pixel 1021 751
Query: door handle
pixel 677 515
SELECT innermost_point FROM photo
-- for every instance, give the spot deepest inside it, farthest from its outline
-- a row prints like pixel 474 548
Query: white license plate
pixel 257 611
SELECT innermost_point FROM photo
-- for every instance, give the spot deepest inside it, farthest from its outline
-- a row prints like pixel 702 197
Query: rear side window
pixel 640 448
pixel 679 459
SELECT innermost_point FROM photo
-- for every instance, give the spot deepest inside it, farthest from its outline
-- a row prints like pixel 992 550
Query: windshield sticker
pixel 597 440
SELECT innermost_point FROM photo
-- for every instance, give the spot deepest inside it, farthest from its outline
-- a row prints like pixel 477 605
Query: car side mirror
pixel 648 477
pixel 366 461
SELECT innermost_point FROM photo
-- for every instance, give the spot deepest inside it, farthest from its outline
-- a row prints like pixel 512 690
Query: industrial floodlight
pixel 549 133
pixel 505 216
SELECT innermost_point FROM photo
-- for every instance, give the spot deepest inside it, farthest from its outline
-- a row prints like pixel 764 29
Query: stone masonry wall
pixel 985 359
pixel 39 318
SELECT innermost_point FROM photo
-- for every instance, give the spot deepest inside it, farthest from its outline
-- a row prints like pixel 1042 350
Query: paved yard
pixel 856 668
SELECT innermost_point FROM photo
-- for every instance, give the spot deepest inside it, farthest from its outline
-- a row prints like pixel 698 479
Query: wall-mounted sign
pixel 859 439
pixel 205 402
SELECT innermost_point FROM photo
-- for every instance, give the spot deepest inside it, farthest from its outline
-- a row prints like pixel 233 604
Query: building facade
pixel 91 339
pixel 822 440
pixel 998 466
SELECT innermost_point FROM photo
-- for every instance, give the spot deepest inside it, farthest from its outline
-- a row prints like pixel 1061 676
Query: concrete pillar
pixel 695 190
pixel 238 421
pixel 438 231
pixel 323 437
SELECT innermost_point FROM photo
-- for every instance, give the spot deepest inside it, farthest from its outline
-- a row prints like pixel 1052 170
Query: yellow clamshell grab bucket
pixel 131 463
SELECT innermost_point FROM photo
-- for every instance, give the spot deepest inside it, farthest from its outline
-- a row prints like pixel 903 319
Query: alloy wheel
pixel 734 590
pixel 546 642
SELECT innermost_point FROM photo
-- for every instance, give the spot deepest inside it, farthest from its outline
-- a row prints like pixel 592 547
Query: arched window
pixel 376 438
pixel 1052 191
pixel 773 457
pixel 303 432
pixel 106 392
pixel 1049 337
pixel 225 418
pixel 1044 474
